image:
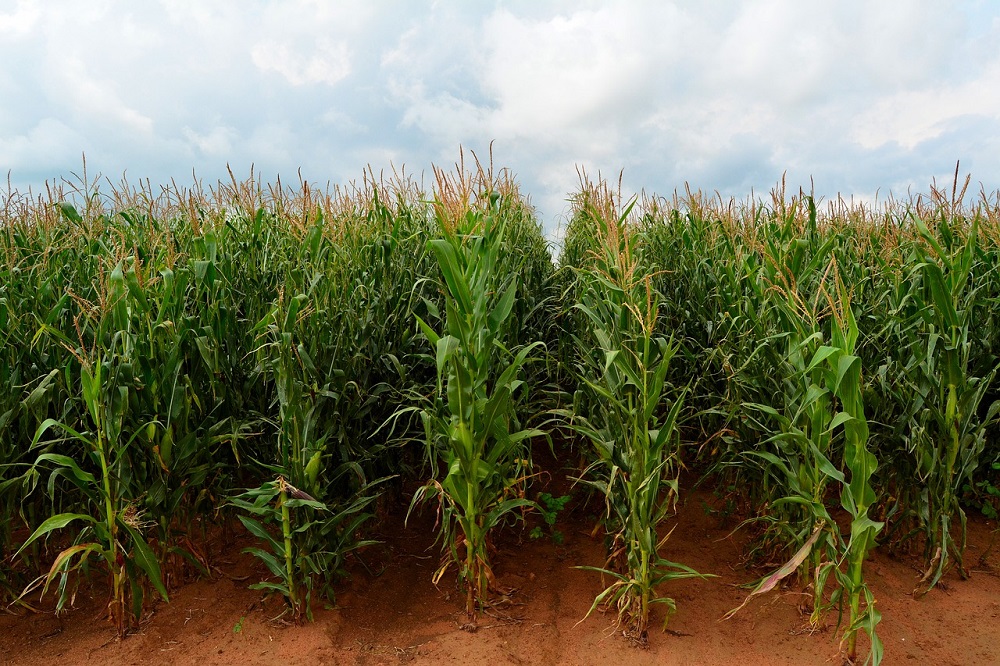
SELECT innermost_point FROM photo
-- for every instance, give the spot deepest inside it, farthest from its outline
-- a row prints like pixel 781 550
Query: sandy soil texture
pixel 389 612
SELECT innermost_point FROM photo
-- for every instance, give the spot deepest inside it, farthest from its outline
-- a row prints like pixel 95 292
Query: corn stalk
pixel 947 432
pixel 636 445
pixel 471 427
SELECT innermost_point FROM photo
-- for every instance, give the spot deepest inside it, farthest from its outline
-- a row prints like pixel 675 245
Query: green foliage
pixel 471 425
pixel 112 527
pixel 636 445
pixel 766 300
pixel 314 539
pixel 549 507
pixel 142 312
pixel 947 430
pixel 986 494
pixel 161 352
pixel 315 536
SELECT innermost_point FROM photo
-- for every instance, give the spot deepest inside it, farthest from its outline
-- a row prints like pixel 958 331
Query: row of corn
pixel 275 358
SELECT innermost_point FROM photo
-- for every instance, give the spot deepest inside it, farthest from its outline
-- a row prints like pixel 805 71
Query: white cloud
pixel 548 76
pixel 217 142
pixel 727 95
pixel 98 99
pixel 344 122
pixel 912 117
pixel 327 62
pixel 49 141
pixel 21 20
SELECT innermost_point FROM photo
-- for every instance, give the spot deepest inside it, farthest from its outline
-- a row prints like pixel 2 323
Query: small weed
pixel 985 494
pixel 550 507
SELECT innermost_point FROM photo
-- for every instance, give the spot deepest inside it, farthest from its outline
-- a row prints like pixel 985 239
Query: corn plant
pixel 827 403
pixel 857 494
pixel 102 469
pixel 181 451
pixel 635 443
pixel 471 427
pixel 821 403
pixel 947 432
pixel 315 535
pixel 801 463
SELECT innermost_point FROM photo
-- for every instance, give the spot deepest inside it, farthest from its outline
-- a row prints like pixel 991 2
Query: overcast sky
pixel 861 96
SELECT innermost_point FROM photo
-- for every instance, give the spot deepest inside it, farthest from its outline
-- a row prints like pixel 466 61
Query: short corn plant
pixel 549 507
pixel 314 539
pixel 636 445
pixel 471 427
pixel 315 535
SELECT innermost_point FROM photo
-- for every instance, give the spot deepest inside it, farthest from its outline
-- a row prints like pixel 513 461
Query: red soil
pixel 398 616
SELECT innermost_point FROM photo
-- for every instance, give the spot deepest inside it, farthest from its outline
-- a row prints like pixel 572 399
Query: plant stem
pixel 286 531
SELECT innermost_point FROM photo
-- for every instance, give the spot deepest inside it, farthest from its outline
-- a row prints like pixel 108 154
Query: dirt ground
pixel 389 612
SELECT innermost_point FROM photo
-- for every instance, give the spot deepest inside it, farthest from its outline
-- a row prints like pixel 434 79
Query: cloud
pixel 217 142
pixel 725 95
pixel 911 117
pixel 48 141
pixel 22 20
pixel 575 71
pixel 327 62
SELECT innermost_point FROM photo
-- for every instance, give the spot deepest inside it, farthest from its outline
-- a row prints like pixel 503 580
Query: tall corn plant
pixel 635 443
pixel 102 467
pixel 778 378
pixel 11 402
pixel 857 495
pixel 471 428
pixel 828 405
pixel 821 412
pixel 947 431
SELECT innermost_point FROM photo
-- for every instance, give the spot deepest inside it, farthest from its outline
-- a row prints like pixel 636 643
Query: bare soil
pixel 389 612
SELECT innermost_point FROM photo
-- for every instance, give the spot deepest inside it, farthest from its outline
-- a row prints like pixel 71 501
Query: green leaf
pixel 276 567
pixel 69 212
pixel 260 532
pixel 501 309
pixel 56 522
pixel 145 559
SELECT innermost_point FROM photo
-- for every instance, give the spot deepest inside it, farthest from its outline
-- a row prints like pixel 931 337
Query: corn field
pixel 276 359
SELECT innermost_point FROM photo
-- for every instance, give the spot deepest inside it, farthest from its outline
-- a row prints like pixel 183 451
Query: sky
pixel 856 97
